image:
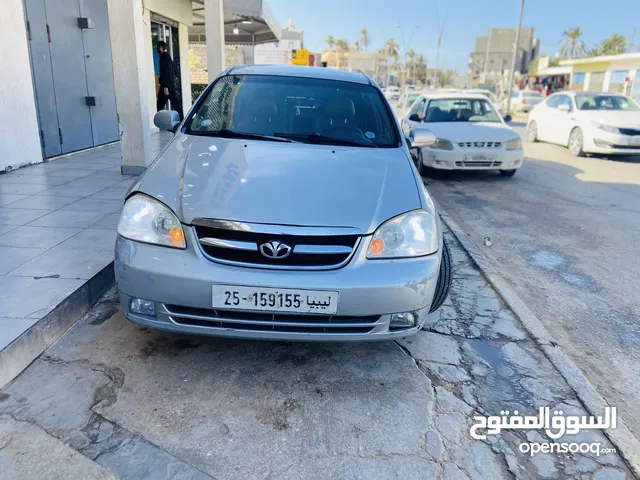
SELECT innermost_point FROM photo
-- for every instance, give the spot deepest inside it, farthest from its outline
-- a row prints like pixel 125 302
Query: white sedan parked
pixel 587 122
pixel 471 134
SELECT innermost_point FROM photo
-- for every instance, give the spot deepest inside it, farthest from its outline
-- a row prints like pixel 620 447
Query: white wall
pixel 269 54
pixel 178 10
pixel 19 132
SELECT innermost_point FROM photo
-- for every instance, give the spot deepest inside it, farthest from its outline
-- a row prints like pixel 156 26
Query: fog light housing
pixel 403 320
pixel 142 307
pixel 602 144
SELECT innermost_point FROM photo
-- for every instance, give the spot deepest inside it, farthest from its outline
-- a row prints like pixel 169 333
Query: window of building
pixel 618 79
pixel 291 45
pixel 578 81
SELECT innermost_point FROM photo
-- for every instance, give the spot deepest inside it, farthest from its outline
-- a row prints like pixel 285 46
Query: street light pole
pixel 515 57
pixel 404 48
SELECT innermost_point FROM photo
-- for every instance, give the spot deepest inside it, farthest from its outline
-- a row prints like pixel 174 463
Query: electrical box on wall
pixel 85 23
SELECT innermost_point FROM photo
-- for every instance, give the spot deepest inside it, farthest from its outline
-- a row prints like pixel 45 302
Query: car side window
pixel 565 100
pixel 418 108
pixel 554 101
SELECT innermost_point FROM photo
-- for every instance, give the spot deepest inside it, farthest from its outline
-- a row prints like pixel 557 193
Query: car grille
pixel 313 252
pixel 478 163
pixel 267 322
pixel 479 144
pixel 629 131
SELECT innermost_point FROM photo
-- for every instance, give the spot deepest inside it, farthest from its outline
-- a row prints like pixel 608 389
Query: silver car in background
pixel 286 206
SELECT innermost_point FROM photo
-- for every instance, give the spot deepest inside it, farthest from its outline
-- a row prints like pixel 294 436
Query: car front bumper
pixel 458 159
pixel 179 282
pixel 599 141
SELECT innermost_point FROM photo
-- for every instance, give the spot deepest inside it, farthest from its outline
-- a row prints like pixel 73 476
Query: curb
pixel 41 335
pixel 626 444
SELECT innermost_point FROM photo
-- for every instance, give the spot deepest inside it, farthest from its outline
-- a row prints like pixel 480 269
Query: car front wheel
pixel 532 131
pixel 444 279
pixel 576 141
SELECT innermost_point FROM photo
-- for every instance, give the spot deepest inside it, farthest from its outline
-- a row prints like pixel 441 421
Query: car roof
pixel 300 71
pixel 454 94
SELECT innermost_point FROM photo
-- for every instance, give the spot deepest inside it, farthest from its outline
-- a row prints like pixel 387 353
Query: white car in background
pixel 587 122
pixel 471 134
pixel 524 100
pixel 402 106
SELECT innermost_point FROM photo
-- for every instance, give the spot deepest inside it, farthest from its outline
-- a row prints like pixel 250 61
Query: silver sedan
pixel 286 206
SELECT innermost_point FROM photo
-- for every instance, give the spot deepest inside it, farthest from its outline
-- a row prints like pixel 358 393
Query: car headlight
pixel 411 234
pixel 606 128
pixel 145 219
pixel 442 144
pixel 515 144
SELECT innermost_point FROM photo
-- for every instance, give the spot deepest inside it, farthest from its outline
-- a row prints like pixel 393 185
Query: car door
pixel 542 116
pixel 553 118
pixel 415 116
pixel 566 120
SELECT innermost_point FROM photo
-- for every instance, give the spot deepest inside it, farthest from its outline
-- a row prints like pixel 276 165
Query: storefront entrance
pixel 166 31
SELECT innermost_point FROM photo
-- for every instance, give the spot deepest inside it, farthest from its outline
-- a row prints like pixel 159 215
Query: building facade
pixel 279 53
pixel 84 73
pixel 491 59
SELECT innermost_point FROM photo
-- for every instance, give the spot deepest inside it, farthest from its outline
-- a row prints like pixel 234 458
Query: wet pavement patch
pixel 559 265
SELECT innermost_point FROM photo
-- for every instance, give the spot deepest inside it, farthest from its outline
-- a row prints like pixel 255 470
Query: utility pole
pixel 436 81
pixel 515 57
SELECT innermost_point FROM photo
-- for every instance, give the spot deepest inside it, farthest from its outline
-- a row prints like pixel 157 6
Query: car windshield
pixel 412 98
pixel 301 109
pixel 461 110
pixel 605 102
pixel 532 94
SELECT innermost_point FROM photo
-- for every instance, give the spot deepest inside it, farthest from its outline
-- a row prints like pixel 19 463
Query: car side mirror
pixel 414 117
pixel 420 137
pixel 508 118
pixel 564 108
pixel 167 120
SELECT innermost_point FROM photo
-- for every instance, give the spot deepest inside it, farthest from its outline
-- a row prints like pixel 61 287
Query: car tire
pixel 444 279
pixel 576 143
pixel 424 171
pixel 508 173
pixel 532 132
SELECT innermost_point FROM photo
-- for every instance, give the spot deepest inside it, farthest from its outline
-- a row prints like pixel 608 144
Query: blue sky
pixel 465 20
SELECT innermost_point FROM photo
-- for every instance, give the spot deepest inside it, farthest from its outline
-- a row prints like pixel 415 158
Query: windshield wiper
pixel 226 133
pixel 323 139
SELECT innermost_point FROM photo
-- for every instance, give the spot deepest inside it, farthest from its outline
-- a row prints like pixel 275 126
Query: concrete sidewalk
pixel 58 225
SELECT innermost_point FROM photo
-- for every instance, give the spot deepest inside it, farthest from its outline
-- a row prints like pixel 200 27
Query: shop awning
pixel 246 22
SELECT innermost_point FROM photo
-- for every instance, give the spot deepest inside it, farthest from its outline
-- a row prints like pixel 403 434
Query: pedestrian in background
pixel 167 89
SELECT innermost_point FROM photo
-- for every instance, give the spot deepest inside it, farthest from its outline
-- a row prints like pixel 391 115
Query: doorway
pixel 166 31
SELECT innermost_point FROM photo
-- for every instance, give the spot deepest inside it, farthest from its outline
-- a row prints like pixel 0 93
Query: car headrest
pixel 341 108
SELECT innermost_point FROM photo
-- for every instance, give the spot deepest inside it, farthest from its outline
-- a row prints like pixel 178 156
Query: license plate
pixel 479 158
pixel 265 299
pixel 634 141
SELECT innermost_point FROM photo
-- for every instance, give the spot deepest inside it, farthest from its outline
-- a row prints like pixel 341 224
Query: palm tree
pixel 391 51
pixel 421 68
pixel 356 45
pixel 411 55
pixel 365 38
pixel 613 45
pixel 330 41
pixel 342 44
pixel 572 46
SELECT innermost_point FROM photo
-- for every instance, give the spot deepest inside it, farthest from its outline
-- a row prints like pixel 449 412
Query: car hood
pixel 615 118
pixel 282 183
pixel 472 131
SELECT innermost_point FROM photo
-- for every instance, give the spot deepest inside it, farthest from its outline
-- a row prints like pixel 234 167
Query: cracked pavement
pixel 113 400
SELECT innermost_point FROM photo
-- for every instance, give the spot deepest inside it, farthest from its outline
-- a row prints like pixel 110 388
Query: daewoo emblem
pixel 275 249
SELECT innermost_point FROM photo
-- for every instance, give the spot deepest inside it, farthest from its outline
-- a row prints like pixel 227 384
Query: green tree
pixel 411 56
pixel 614 45
pixel 421 69
pixel 572 46
pixel 330 41
pixel 342 44
pixel 448 77
pixel 365 38
pixel 356 45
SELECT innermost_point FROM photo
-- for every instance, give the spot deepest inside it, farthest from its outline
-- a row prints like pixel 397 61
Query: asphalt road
pixel 565 232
